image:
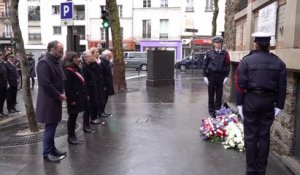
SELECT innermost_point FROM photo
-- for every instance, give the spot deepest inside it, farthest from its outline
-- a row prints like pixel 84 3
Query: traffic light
pixel 105 19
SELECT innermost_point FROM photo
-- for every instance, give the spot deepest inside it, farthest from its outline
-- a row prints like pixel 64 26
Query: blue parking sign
pixel 66 10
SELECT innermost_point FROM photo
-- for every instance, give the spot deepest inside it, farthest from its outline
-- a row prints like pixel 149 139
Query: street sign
pixel 66 13
pixel 191 30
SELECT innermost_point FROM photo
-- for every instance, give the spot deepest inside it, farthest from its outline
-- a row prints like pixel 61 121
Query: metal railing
pixel 79 15
pixel 163 36
pixel 146 35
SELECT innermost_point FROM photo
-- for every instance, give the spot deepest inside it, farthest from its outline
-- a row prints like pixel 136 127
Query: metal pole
pixel 70 37
pixel 107 37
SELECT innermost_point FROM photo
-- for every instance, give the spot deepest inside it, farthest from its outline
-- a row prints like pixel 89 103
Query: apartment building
pixel 6 40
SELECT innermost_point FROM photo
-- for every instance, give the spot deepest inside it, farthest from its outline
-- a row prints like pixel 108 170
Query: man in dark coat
pixel 50 97
pixel 13 77
pixel 261 85
pixel 105 65
pixel 31 68
pixel 3 84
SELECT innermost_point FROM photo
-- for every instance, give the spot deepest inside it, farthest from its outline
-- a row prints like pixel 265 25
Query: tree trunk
pixel 215 17
pixel 14 18
pixel 119 65
pixel 231 8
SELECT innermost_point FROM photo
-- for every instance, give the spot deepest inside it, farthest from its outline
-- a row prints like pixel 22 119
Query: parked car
pixel 137 60
pixel 191 61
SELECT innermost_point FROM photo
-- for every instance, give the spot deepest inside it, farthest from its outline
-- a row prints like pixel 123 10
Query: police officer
pixel 3 84
pixel 13 77
pixel 261 86
pixel 215 71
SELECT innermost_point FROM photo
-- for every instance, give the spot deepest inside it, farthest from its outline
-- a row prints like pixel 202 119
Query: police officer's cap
pixel 8 54
pixel 217 39
pixel 261 37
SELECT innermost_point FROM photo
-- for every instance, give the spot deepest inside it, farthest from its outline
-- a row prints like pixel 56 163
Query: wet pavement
pixel 153 131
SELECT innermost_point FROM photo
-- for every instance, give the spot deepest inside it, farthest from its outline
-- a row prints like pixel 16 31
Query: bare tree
pixel 215 17
pixel 119 65
pixel 14 18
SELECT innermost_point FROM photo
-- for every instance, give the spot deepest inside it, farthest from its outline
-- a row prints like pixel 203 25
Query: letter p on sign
pixel 66 10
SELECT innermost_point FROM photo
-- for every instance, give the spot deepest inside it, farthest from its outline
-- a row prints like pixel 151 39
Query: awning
pixel 202 41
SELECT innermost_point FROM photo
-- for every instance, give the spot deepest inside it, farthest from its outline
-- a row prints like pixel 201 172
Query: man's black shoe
pixel 103 115
pixel 15 110
pixel 74 141
pixel 89 130
pixel 10 111
pixel 53 158
pixel 58 153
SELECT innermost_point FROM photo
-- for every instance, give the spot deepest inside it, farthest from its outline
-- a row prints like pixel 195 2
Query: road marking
pixel 137 76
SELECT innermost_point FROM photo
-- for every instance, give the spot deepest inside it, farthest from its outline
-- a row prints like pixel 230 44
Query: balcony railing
pixel 146 35
pixel 6 34
pixel 163 36
pixel 189 9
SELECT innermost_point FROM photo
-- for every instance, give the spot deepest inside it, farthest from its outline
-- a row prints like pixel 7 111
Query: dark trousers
pixel 32 82
pixel 72 124
pixel 49 144
pixel 86 116
pixel 103 105
pixel 215 91
pixel 11 99
pixel 3 93
pixel 258 110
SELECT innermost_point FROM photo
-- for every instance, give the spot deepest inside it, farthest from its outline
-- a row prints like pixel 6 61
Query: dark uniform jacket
pixel 261 70
pixel 107 74
pixel 90 77
pixel 75 90
pixel 3 75
pixel 50 80
pixel 216 63
pixel 12 74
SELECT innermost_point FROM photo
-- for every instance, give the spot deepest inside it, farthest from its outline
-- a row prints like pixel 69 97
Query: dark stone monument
pixel 160 68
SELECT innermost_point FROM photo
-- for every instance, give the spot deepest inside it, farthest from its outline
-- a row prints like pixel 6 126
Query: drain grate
pixel 9 136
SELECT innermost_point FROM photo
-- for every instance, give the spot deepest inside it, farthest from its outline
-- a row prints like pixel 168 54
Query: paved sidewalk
pixel 153 131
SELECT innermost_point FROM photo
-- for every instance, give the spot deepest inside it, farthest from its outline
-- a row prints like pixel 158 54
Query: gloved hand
pixel 277 111
pixel 240 111
pixel 225 80
pixel 206 80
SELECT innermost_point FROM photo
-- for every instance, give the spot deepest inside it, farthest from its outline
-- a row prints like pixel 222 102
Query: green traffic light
pixel 105 24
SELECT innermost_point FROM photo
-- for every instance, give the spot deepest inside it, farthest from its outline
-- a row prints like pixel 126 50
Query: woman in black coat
pixel 90 74
pixel 76 95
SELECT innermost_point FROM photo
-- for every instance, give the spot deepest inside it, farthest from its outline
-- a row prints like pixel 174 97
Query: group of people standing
pixel 11 80
pixel 83 81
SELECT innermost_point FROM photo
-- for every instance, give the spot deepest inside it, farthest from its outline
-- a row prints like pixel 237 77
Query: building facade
pixel 6 39
pixel 145 24
pixel 281 18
